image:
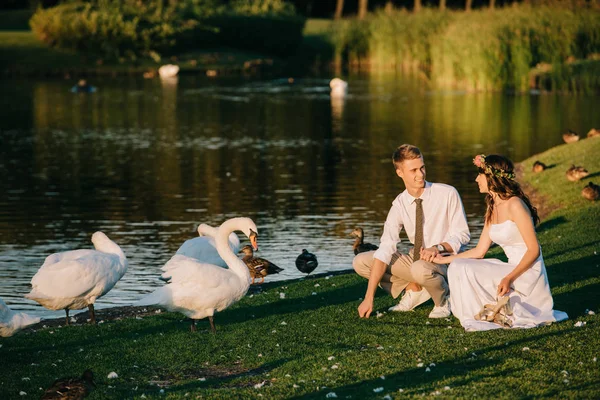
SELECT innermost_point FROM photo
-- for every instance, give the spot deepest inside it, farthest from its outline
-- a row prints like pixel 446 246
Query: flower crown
pixel 479 162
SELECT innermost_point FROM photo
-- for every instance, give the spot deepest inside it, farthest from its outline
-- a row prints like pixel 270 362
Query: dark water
pixel 145 161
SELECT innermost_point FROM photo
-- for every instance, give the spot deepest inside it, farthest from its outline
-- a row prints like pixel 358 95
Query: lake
pixel 146 161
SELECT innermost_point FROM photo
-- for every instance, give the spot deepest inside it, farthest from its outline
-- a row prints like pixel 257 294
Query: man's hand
pixel 429 254
pixel 365 308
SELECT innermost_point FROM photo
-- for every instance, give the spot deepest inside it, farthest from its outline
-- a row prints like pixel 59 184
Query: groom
pixel 434 219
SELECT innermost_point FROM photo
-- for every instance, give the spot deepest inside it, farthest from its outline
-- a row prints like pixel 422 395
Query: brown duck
pixel 591 191
pixel 593 133
pixel 71 388
pixel 359 245
pixel 576 173
pixel 539 166
pixel 570 136
pixel 258 267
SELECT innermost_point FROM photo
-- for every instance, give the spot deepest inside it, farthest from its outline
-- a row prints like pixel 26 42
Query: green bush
pixel 110 29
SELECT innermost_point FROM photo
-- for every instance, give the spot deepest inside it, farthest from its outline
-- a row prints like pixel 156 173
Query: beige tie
pixel 418 230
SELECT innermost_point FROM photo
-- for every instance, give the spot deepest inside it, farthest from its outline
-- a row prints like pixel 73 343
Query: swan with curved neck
pixel 199 289
pixel 73 280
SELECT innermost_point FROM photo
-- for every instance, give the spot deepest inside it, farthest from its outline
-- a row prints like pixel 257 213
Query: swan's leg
pixel 262 279
pixel 212 324
pixel 67 318
pixel 193 326
pixel 92 313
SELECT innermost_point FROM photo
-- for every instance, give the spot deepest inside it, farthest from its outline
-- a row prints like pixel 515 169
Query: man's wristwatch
pixel 440 248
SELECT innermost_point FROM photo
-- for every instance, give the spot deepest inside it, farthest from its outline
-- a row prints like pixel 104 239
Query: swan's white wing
pixel 76 277
pixel 203 249
pixel 66 255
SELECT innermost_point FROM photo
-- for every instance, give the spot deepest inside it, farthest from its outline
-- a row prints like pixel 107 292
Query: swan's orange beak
pixel 253 239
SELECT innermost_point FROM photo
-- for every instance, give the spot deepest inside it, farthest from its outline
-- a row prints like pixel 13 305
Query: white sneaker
pixel 442 311
pixel 410 300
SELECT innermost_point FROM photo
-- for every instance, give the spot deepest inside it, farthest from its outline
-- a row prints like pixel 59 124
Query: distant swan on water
pixel 12 322
pixel 168 71
pixel 72 280
pixel 339 88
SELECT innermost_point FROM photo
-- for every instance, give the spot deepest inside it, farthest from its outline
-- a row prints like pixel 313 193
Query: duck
pixel 71 388
pixel 72 280
pixel 83 87
pixel 198 289
pixel 359 246
pixel 168 71
pixel 570 137
pixel 576 173
pixel 306 262
pixel 258 267
pixel 538 167
pixel 593 133
pixel 12 322
pixel 591 191
pixel 339 88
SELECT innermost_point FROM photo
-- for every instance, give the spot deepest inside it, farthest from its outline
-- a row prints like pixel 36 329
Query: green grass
pixel 15 20
pixel 293 344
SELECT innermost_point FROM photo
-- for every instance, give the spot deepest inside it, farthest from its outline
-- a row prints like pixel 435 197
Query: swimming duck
pixel 576 173
pixel 359 246
pixel 83 87
pixel 199 289
pixel 72 280
pixel 71 388
pixel 591 191
pixel 258 267
pixel 593 133
pixel 12 322
pixel 339 88
pixel 570 137
pixel 168 71
pixel 306 262
pixel 539 166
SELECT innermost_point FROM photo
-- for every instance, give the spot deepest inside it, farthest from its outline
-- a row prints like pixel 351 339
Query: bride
pixel 509 222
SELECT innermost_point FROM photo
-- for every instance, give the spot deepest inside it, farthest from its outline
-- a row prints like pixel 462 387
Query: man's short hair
pixel 405 152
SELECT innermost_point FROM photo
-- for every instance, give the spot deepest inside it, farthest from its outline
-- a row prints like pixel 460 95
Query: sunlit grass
pixel 310 342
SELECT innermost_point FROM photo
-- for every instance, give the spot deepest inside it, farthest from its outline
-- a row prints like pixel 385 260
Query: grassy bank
pixel 309 342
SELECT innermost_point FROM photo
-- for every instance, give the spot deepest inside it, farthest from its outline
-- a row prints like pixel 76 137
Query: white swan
pixel 198 289
pixel 168 71
pixel 203 248
pixel 11 322
pixel 73 280
pixel 339 88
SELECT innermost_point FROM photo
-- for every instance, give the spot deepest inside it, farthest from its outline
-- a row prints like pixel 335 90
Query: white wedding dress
pixel 474 283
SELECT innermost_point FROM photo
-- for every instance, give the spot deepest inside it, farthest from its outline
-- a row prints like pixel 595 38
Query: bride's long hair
pixel 499 173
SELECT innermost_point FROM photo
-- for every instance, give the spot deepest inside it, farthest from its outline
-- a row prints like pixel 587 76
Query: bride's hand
pixel 439 259
pixel 504 286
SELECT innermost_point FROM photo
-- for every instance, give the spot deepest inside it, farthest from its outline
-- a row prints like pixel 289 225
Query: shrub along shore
pixel 303 339
pixel 514 49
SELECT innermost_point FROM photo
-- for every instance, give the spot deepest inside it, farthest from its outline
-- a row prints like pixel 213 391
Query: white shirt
pixel 444 220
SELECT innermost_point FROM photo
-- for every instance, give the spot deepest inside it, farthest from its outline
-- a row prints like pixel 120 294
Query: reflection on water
pixel 145 161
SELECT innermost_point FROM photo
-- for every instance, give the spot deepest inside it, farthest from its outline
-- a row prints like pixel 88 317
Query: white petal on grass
pixel 378 390
pixel 314 293
pixel 203 379
pixel 259 385
pixel 331 395
pixel 525 348
pixel 387 397
pixel 427 369
pixel 335 366
pixel 283 323
pixel 579 324
pixel 295 386
pixel 22 393
pixel 432 365
pixel 317 285
pixel 380 348
pixel 282 295
pixel 112 375
pixel 382 377
pixel 446 387
pixel 330 358
pixel 419 365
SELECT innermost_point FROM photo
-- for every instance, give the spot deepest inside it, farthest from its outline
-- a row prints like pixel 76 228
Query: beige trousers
pixel 402 270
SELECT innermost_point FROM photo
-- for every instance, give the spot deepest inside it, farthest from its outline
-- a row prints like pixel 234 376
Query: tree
pixel 443 5
pixel 492 4
pixel 417 6
pixel 362 8
pixel 468 5
pixel 339 8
